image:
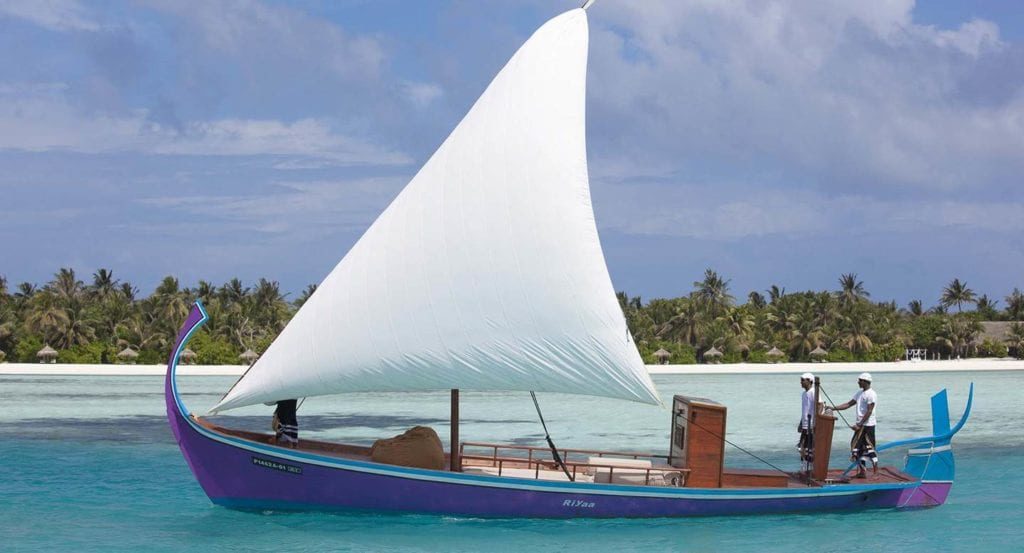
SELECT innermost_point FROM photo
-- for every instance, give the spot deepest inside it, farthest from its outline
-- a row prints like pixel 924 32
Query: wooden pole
pixel 817 398
pixel 455 462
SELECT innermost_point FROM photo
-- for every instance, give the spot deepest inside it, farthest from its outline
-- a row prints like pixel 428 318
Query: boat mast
pixel 455 460
pixel 588 3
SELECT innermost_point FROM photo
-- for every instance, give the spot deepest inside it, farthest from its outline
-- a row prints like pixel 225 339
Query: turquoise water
pixel 90 465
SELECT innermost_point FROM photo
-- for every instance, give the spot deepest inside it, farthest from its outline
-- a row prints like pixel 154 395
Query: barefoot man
pixel 863 448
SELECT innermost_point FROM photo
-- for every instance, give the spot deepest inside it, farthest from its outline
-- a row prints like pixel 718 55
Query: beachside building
pixel 47 354
pixel 249 356
pixel 188 357
pixel 127 355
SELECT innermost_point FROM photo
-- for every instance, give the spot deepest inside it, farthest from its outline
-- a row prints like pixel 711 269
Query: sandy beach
pixel 823 368
pixel 734 368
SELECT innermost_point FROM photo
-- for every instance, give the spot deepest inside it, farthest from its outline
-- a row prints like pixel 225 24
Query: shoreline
pixel 955 365
pixel 985 364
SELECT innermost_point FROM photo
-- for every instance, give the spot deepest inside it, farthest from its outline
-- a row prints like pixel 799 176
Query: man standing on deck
pixel 864 430
pixel 806 425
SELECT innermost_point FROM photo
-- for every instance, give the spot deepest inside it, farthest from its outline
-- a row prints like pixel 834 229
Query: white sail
pixel 486 272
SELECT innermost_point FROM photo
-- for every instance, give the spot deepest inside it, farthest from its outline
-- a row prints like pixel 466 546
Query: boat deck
pixel 625 468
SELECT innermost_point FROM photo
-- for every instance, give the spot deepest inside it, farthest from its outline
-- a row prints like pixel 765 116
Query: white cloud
pixel 37 118
pixel 295 207
pixel 56 15
pixel 260 36
pixel 712 211
pixel 422 94
pixel 833 93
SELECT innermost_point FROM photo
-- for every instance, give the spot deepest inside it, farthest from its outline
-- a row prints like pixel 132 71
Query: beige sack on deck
pixel 418 447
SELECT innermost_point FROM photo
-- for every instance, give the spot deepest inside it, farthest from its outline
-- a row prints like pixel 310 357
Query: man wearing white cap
pixel 863 444
pixel 806 425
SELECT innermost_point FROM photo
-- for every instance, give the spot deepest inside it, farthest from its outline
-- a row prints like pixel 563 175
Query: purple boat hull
pixel 243 474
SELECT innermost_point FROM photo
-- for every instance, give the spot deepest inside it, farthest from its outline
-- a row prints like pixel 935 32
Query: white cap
pixel 807 376
pixel 865 376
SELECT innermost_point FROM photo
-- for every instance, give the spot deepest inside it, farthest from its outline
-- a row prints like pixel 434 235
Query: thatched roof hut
pixel 712 355
pixel 993 331
pixel 127 355
pixel 249 356
pixel 662 356
pixel 774 354
pixel 818 354
pixel 47 354
pixel 188 357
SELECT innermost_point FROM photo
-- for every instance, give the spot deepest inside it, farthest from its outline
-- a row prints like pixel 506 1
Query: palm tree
pixel 987 308
pixel 233 292
pixel 141 332
pixel 77 330
pixel 713 291
pixel 67 286
pixel 803 335
pixel 957 293
pixel 1015 339
pixel 113 313
pixel 1015 305
pixel 688 323
pixel 267 307
pixel 740 325
pixel 775 293
pixel 915 308
pixel 46 316
pixel 851 290
pixel 128 291
pixel 756 300
pixel 308 291
pixel 103 284
pixel 854 329
pixel 171 303
pixel 826 311
pixel 205 292
pixel 25 291
pixel 961 330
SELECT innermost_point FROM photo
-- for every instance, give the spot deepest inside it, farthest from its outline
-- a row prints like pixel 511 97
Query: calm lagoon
pixel 89 464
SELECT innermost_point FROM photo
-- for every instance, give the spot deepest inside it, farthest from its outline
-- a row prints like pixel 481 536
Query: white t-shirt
pixel 863 399
pixel 807 408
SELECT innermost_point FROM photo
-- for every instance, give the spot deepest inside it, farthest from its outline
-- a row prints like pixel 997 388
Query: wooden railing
pixel 538 458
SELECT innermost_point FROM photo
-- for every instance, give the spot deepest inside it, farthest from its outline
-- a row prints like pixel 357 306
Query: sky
pixel 776 142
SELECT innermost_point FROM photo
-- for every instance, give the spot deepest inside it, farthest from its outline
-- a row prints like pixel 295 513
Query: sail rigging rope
pixel 720 437
pixel 551 444
pixel 834 408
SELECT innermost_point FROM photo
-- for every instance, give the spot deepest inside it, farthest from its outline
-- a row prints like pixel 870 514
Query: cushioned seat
pixel 637 476
pixel 531 474
pixel 620 462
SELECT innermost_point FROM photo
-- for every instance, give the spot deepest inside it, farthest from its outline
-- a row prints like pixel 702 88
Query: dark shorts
pixel 287 422
pixel 864 445
pixel 806 445
pixel 806 439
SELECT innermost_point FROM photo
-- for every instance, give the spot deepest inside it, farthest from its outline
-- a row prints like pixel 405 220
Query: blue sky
pixel 777 142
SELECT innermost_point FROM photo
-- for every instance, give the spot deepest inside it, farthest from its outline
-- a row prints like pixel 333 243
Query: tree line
pixel 845 323
pixel 92 322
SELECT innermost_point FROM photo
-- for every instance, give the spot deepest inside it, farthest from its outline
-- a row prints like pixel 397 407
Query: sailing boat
pixel 486 273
